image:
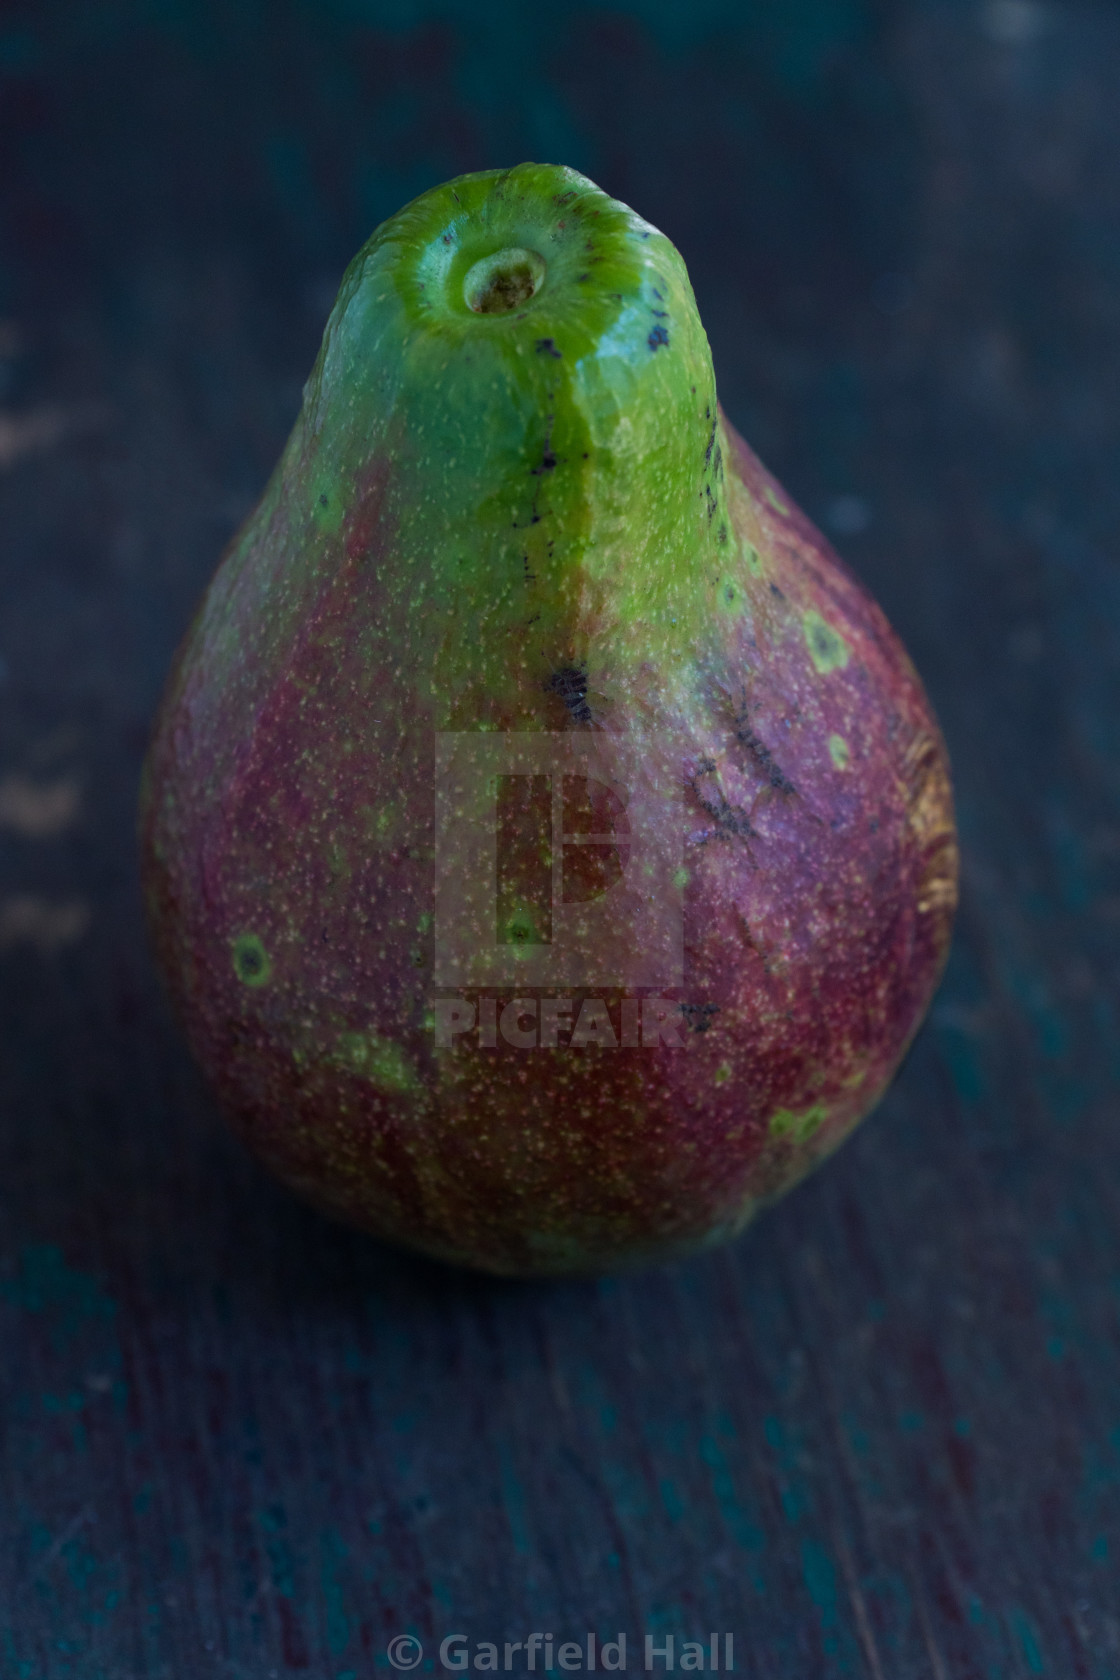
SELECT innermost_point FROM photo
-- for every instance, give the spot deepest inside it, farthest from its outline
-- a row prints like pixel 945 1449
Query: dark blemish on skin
pixel 774 590
pixel 564 198
pixel 729 819
pixel 712 504
pixel 645 235
pixel 546 346
pixel 530 577
pixel 699 1015
pixel 548 458
pixel 534 517
pixel 322 501
pixel 250 960
pixel 718 469
pixel 663 313
pixel 723 533
pixel 447 239
pixel 760 755
pixel 570 683
pixel 658 295
pixel 585 277
pixel 657 337
pixel 750 941
pixel 711 443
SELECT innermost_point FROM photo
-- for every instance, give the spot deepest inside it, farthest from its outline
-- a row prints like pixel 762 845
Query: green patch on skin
pixel 775 500
pixel 251 961
pixel 340 865
pixel 838 751
pixel 521 929
pixel 827 648
pixel 383 824
pixel 753 559
pixel 798 1128
pixel 326 505
pixel 680 878
pixel 722 1073
pixel 379 1060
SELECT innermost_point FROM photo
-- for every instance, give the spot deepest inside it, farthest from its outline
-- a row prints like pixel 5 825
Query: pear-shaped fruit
pixel 547 843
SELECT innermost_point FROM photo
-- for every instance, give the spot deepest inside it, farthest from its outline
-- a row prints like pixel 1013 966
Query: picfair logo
pixel 550 1022
pixel 558 861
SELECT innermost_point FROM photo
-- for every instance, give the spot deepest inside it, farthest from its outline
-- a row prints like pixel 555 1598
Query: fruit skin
pixel 538 520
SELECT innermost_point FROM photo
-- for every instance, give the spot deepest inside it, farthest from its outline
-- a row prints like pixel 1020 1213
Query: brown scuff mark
pixel 928 797
pixel 929 812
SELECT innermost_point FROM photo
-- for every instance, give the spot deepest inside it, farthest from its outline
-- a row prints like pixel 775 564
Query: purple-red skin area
pixel 818 907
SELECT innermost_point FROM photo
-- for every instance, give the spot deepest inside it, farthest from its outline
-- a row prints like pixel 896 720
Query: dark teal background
pixel 880 1437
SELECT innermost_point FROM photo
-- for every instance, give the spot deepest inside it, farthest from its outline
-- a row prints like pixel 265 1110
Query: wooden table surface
pixel 880 1436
